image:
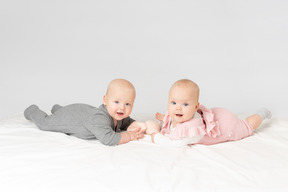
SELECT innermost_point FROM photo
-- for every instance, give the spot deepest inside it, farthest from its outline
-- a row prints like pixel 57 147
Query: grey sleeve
pixel 101 126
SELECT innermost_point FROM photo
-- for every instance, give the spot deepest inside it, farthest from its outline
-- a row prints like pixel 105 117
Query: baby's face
pixel 182 104
pixel 119 102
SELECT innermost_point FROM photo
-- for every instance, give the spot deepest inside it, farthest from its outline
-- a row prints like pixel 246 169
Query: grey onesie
pixel 80 120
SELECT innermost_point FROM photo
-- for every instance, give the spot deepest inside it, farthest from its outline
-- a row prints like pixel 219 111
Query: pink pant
pixel 231 127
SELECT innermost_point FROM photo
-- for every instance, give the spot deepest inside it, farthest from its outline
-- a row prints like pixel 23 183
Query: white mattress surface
pixel 34 160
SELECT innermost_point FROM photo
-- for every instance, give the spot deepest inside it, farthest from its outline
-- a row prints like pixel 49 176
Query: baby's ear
pixel 105 100
pixel 197 106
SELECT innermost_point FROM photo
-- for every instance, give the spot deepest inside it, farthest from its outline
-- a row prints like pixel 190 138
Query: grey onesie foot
pixel 29 111
pixel 55 108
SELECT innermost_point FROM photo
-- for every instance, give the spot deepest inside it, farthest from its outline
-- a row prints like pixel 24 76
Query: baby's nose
pixel 121 106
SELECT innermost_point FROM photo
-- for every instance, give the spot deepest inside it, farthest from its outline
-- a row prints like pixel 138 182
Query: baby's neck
pixel 173 124
pixel 115 122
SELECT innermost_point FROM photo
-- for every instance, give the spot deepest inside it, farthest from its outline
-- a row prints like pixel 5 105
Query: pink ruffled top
pixel 194 127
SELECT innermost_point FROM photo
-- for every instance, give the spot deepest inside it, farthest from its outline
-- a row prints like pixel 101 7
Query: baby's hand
pixel 135 135
pixel 136 125
pixel 159 116
pixel 131 136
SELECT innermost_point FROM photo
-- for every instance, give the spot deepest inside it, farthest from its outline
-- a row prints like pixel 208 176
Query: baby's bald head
pixel 191 88
pixel 120 84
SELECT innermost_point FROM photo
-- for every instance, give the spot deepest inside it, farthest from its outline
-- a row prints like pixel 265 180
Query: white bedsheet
pixel 35 160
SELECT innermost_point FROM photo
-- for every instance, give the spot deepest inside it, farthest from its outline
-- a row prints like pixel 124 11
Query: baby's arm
pixel 148 127
pixel 152 127
pixel 134 132
pixel 130 136
pixel 136 125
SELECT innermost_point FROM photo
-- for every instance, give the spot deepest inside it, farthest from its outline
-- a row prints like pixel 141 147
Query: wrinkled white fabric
pixel 34 160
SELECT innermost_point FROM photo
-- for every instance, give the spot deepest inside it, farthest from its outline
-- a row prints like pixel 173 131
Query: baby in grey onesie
pixel 87 122
pixel 80 120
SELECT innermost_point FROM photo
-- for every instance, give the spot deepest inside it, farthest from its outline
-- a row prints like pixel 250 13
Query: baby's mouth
pixel 120 113
pixel 179 115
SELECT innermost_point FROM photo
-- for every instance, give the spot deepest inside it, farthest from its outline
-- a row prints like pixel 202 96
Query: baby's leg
pixel 41 119
pixel 46 122
pixel 256 119
pixel 67 120
pixel 34 114
pixel 55 108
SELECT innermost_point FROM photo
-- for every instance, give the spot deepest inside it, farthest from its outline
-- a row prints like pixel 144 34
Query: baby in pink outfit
pixel 188 122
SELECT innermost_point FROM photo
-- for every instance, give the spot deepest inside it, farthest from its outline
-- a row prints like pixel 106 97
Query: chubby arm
pixel 102 127
pixel 134 132
pixel 136 125
pixel 152 127
pixel 130 136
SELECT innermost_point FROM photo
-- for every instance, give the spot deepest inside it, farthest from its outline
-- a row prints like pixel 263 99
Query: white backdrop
pixel 67 51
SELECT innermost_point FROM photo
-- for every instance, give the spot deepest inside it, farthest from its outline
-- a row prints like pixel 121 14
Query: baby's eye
pixel 185 104
pixel 127 104
pixel 116 102
pixel 173 103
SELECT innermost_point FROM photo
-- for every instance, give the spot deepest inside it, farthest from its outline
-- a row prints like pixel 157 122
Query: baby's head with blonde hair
pixel 189 85
pixel 119 99
pixel 183 100
pixel 120 84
